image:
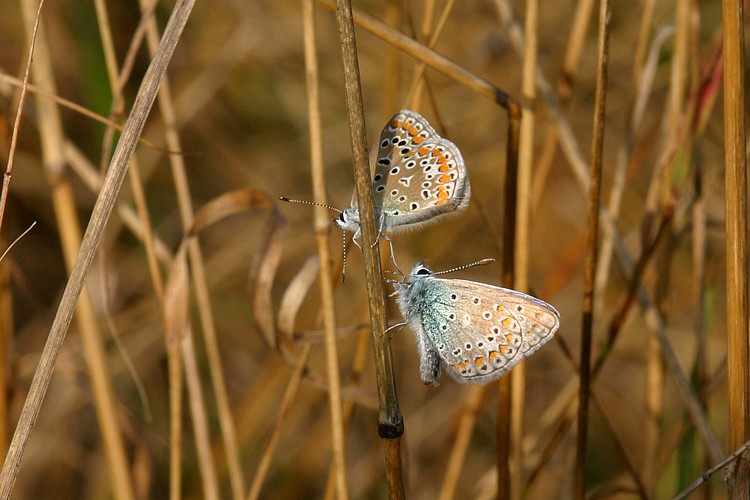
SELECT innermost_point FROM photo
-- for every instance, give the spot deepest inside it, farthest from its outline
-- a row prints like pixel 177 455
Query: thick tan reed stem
pixel 735 165
pixel 390 421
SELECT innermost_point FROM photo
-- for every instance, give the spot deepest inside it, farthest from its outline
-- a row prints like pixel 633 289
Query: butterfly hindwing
pixel 481 331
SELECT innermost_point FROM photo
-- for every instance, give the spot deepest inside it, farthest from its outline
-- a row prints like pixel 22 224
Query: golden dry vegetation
pixel 238 100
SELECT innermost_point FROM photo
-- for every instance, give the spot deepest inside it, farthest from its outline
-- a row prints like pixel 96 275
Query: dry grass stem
pixel 284 409
pixel 322 231
pixel 523 229
pixel 590 256
pixel 90 241
pixel 270 379
pixel 735 165
pixel 390 421
pixel 19 112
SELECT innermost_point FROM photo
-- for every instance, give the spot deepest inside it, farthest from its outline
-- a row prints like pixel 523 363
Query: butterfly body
pixel 476 332
pixel 417 176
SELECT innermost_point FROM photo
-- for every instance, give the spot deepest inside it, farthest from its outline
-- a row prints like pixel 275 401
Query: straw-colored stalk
pixel 101 212
pixel 51 136
pixel 322 233
pixel 390 421
pixel 414 95
pixel 592 237
pixel 523 224
pixel 736 250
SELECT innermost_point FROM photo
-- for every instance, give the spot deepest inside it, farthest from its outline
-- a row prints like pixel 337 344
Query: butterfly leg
pixel 380 231
pixel 429 360
pixel 393 255
pixel 356 237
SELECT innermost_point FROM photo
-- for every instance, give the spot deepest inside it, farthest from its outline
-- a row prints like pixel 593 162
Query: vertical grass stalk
pixel 736 251
pixel 592 235
pixel 322 233
pixel 390 421
pixel 102 210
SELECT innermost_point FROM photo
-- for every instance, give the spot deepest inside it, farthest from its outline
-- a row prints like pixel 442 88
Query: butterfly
pixel 417 176
pixel 474 331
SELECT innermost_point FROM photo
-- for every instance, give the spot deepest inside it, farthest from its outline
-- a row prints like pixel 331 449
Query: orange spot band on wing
pixel 507 323
pixel 479 361
pixel 503 348
pixel 444 168
pixel 405 126
pixel 442 194
pixel 395 123
pixel 413 131
pixel 423 150
pixel 435 152
pixel 418 139
pixel 444 178
pixel 439 202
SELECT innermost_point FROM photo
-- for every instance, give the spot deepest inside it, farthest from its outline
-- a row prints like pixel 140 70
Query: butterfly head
pixel 418 273
pixel 348 220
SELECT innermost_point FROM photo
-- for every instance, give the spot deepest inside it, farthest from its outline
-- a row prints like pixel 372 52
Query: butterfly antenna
pixel 482 262
pixel 343 265
pixel 305 202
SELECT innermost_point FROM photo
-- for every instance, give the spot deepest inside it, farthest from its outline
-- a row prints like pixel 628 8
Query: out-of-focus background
pixel 238 92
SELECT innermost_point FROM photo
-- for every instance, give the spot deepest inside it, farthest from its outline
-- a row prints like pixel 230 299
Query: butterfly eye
pixel 423 272
pixel 341 217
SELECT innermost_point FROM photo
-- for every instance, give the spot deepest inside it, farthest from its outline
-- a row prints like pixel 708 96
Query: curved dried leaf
pixel 295 294
pixel 263 271
pixel 231 203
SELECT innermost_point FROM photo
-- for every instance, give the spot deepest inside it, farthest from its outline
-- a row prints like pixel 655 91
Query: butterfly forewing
pixel 481 331
pixel 418 174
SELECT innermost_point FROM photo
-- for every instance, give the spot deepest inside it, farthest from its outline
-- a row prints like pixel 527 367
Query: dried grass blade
pixel 102 210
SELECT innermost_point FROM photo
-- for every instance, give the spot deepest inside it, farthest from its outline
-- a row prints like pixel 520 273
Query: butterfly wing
pixel 418 174
pixel 481 331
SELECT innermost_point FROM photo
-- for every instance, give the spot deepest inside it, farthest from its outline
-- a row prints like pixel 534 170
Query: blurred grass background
pixel 238 88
